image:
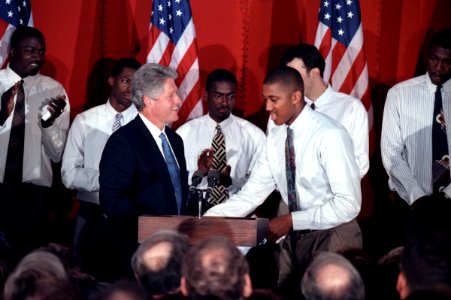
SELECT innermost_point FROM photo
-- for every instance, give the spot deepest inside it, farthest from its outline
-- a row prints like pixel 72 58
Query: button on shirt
pixel 327 176
pixel 243 145
pixel 406 141
pixel 88 135
pixel 41 145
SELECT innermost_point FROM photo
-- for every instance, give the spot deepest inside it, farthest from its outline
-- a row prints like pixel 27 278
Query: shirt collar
pixel 324 99
pixel 154 130
pixel 300 119
pixel 129 112
pixel 431 86
pixel 223 124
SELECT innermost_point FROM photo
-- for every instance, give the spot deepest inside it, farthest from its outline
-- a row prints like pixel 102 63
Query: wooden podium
pixel 241 231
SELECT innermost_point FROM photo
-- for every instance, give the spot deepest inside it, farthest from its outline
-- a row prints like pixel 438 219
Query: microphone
pixel 213 180
pixel 195 180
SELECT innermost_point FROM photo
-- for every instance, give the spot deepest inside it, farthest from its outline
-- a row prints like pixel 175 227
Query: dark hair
pixel 309 54
pixel 442 39
pixel 220 277
pixel 286 76
pixel 122 63
pixel 132 289
pixel 426 261
pixel 22 32
pixel 220 75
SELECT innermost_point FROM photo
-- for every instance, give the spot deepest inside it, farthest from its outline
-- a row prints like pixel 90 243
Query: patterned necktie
pixel 173 169
pixel 290 164
pixel 220 193
pixel 118 118
pixel 14 159
pixel 440 159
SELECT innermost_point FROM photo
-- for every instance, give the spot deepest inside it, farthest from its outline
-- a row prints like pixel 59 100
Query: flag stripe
pixel 339 37
pixel 172 42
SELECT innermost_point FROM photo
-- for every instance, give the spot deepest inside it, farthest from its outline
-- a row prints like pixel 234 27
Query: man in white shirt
pixel 411 152
pixel 34 119
pixel 243 140
pixel 87 137
pixel 345 109
pixel 320 182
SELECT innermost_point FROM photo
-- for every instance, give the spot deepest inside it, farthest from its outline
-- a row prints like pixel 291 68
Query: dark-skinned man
pixel 34 119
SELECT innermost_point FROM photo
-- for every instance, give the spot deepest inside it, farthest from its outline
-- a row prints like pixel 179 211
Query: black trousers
pixel 25 216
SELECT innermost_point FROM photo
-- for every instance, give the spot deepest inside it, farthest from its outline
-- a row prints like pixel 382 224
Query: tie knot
pixel 119 116
pixel 218 127
pixel 439 87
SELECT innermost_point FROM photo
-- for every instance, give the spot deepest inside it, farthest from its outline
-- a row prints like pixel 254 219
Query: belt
pixel 305 231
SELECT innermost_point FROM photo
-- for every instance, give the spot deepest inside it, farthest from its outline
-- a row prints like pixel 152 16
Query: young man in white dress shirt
pixel 324 194
pixel 88 135
pixel 243 140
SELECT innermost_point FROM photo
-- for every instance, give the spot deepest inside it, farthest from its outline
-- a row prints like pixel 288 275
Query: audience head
pixel 425 263
pixel 123 290
pixel 283 91
pixel 157 263
pixel 27 51
pixel 331 276
pixel 38 265
pixel 438 60
pixel 215 269
pixel 120 82
pixel 155 94
pixel 221 93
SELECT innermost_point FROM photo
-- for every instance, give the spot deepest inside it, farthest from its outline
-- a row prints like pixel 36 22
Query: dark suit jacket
pixel 134 179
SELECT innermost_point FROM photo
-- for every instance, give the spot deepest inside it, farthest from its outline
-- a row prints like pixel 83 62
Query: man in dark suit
pixel 143 168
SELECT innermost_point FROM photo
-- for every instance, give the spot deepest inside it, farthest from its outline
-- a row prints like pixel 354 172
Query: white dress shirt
pixel 327 176
pixel 88 135
pixel 243 142
pixel 349 112
pixel 41 145
pixel 406 141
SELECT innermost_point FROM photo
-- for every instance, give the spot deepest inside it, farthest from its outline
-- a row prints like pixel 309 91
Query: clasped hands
pixel 204 162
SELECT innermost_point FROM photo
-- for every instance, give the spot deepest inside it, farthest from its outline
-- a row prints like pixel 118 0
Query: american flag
pixel 14 13
pixel 173 43
pixel 339 38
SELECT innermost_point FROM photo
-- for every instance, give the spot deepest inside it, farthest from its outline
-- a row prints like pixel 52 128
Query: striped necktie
pixel 220 193
pixel 14 159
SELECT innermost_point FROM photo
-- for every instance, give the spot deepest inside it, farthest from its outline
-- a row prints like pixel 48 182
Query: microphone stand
pixel 200 198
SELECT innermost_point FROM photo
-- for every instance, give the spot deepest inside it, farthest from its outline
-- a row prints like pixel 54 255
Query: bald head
pixel 331 276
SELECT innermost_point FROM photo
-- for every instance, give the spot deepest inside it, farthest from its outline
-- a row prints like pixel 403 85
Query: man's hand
pixel 279 226
pixel 56 108
pixel 205 160
pixel 7 104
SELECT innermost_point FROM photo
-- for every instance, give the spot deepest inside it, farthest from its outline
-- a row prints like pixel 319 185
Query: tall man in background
pixel 88 135
pixel 345 109
pixel 415 141
pixel 34 119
